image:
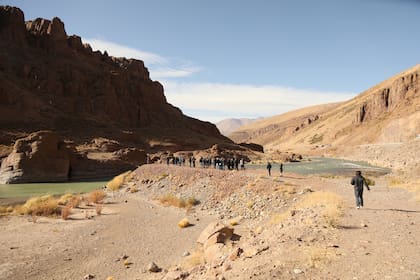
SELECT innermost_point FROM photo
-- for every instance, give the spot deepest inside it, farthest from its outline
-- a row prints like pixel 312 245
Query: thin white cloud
pixel 159 66
pixel 213 102
pixel 174 73
pixel 124 51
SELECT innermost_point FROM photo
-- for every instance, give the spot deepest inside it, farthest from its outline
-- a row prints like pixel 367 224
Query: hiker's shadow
pixel 393 209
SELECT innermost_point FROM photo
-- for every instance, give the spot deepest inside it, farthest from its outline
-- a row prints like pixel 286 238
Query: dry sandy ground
pixel 381 241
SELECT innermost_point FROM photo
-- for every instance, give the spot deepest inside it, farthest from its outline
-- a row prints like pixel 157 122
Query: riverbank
pixel 16 193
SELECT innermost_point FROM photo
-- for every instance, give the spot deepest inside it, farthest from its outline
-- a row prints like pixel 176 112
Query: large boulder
pixel 40 157
pixel 215 232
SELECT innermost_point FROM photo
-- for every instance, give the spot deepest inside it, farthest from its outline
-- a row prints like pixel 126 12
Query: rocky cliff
pixel 52 81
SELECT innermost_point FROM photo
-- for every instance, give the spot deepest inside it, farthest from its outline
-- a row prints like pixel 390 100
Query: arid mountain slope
pixel 268 130
pixel 49 80
pixel 227 126
pixel 388 112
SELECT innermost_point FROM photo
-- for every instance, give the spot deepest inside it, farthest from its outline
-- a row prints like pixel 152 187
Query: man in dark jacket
pixel 358 182
pixel 269 168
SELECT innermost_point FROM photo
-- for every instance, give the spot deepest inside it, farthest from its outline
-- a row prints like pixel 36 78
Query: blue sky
pixel 220 59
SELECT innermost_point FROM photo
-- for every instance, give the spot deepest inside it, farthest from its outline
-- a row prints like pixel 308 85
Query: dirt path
pixel 380 241
pixel 56 249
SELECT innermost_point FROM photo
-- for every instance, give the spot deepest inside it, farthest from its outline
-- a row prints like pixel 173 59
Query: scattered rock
pixel 176 275
pixel 213 252
pixel 89 276
pixel 152 267
pixel 297 271
pixel 217 232
pixel 186 254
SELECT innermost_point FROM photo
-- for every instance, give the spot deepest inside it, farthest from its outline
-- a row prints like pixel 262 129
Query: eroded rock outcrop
pixel 40 157
pixel 384 100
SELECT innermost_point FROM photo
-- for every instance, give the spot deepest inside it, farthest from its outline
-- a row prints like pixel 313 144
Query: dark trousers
pixel 358 193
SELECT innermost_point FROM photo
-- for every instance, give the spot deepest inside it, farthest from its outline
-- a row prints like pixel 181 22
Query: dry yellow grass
pixel 118 181
pixel 317 256
pixel 193 260
pixel 331 205
pixel 278 218
pixel 134 189
pixel 184 223
pixel 65 198
pixel 250 204
pixel 45 205
pixel 412 186
pixel 99 209
pixel 172 200
pixel 4 210
pixel 70 199
pixel 66 211
pixel 96 196
pixel 286 189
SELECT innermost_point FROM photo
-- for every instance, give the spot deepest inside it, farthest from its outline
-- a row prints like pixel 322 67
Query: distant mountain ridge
pixel 227 126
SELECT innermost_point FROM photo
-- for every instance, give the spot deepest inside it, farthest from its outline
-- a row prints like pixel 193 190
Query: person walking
pixel 359 182
pixel 281 169
pixel 269 168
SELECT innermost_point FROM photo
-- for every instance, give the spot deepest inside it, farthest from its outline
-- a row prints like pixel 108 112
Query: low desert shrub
pixel 118 181
pixel 3 210
pixel 99 209
pixel 192 201
pixel 134 189
pixel 45 205
pixel 65 198
pixel 66 211
pixel 184 223
pixel 234 221
pixel 370 181
pixel 96 196
pixel 163 176
pixel 172 200
pixel 70 199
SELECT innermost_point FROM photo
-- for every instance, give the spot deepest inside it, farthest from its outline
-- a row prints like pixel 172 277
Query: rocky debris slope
pixel 258 219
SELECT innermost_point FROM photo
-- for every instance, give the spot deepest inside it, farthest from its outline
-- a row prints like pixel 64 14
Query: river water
pixel 18 192
pixel 321 165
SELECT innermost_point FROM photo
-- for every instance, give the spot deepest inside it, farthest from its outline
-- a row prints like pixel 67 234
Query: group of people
pixel 220 163
pixel 358 181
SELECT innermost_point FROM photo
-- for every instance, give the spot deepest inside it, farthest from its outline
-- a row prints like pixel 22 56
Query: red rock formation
pixel 40 157
pixel 51 81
